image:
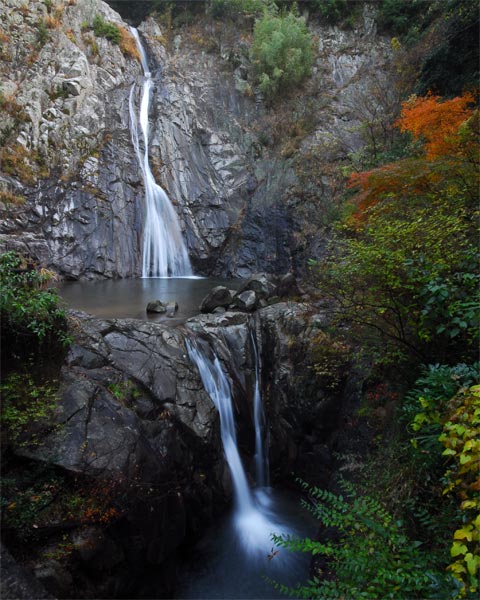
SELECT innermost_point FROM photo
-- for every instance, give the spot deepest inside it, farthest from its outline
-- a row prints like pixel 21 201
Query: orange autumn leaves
pixel 436 122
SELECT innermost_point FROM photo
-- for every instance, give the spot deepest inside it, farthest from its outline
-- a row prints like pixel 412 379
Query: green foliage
pixel 36 496
pixel 43 34
pixel 102 28
pixel 367 552
pixel 402 18
pixel 330 360
pixel 281 53
pixel 333 11
pixel 390 279
pixel 31 317
pixel 124 391
pixel 452 64
pixel 220 9
pixel 426 401
pixel 27 408
pixel 461 439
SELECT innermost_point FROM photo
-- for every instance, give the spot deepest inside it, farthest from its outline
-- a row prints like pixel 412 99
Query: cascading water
pixel 218 388
pixel 239 552
pixel 261 445
pixel 252 518
pixel 164 250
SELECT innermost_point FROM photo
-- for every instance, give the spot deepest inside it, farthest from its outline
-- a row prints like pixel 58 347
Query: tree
pixel 281 52
pixel 437 121
pixel 407 267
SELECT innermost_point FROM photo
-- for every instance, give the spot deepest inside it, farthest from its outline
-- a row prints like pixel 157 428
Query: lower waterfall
pixel 240 553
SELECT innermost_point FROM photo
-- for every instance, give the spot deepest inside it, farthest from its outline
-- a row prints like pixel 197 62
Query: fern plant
pixel 369 554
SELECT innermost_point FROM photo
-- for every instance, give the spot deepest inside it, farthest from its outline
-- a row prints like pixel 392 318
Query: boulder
pixel 218 296
pixel 172 308
pixel 262 284
pixel 156 306
pixel 288 286
pixel 246 301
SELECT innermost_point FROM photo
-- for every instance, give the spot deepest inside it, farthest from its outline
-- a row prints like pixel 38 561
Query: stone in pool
pixel 156 306
pixel 172 308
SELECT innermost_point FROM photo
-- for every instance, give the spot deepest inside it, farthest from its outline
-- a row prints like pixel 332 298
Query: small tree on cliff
pixel 281 53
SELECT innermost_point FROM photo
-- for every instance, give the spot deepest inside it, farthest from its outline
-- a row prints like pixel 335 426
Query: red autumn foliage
pixel 436 121
pixel 439 124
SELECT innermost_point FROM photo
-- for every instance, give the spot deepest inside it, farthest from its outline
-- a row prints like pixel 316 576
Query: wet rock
pixel 156 306
pixel 172 308
pixel 246 301
pixel 219 296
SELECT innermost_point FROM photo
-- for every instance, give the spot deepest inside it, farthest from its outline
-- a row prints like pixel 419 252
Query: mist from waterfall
pixel 164 250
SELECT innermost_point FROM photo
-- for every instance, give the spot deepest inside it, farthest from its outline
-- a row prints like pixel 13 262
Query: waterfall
pixel 253 519
pixel 164 250
pixel 261 445
pixel 218 388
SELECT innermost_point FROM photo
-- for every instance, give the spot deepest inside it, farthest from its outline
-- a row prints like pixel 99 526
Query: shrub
pixel 43 35
pixel 281 52
pixel 31 316
pixel 219 9
pixel 27 408
pixel 332 11
pixel 461 439
pixel 8 197
pixel 128 45
pixel 367 554
pixel 102 28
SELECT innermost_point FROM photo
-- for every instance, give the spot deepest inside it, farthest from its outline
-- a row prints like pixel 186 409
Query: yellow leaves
pixel 461 438
pixel 465 533
pixel 458 549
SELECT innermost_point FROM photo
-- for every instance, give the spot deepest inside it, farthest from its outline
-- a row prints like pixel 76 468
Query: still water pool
pixel 128 298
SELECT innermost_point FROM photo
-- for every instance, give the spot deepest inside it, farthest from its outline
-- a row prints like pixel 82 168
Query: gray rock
pixel 18 583
pixel 219 296
pixel 288 286
pixel 246 301
pixel 172 308
pixel 262 284
pixel 156 306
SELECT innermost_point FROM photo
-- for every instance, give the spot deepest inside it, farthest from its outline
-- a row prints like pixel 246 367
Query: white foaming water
pixel 253 520
pixel 164 250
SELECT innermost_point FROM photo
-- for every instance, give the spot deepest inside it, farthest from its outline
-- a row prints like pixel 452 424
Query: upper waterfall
pixel 164 250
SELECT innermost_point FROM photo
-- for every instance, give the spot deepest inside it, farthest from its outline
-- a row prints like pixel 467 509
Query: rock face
pixel 83 212
pixel 70 156
pixel 133 411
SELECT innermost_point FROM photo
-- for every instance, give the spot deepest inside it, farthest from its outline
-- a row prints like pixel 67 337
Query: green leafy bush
pixel 367 554
pixel 461 439
pixel 27 408
pixel 281 52
pixel 31 316
pixel 220 9
pixel 333 11
pixel 102 28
